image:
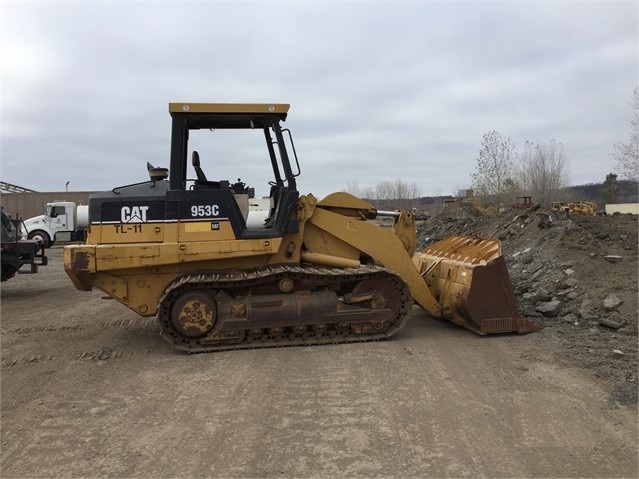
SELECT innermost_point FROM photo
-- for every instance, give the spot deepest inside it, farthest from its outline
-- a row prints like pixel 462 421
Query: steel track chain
pixel 270 275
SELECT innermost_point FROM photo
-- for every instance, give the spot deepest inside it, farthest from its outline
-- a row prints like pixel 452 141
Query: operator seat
pixel 196 165
pixel 202 182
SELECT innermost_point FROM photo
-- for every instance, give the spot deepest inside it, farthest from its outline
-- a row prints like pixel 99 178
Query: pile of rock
pixel 577 277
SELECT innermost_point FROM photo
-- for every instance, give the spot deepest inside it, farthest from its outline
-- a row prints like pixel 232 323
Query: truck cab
pixel 61 221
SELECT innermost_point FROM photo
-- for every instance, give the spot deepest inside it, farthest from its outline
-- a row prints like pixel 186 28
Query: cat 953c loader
pixel 179 247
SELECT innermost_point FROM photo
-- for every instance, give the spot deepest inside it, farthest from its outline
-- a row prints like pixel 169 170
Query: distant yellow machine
pixel 184 247
pixel 575 207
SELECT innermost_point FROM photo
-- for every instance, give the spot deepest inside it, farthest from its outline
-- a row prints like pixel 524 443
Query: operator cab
pixel 234 198
pixel 203 208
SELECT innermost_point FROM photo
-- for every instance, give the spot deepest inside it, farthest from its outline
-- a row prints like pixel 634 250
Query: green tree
pixel 610 188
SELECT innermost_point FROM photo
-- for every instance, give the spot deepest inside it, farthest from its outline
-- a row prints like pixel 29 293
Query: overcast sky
pixel 378 91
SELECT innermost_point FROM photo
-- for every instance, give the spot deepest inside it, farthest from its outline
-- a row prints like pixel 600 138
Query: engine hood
pixel 36 221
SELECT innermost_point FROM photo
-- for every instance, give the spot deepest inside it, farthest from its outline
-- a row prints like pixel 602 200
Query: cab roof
pixel 228 115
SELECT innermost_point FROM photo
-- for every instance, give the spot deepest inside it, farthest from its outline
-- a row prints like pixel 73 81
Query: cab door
pixel 59 217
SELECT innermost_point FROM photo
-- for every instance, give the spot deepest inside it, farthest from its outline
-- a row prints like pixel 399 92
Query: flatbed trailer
pixel 17 253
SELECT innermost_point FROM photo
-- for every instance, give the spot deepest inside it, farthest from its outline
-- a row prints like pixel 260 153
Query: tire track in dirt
pixel 134 322
pixel 136 327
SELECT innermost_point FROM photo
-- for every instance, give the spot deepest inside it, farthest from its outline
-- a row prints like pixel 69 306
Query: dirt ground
pixel 89 389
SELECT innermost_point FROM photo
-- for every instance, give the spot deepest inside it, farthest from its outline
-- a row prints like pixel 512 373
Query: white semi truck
pixel 61 221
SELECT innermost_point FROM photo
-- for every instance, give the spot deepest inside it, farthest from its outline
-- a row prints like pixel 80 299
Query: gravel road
pixel 89 389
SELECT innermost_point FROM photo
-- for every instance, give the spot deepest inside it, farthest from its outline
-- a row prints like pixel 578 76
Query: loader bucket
pixel 469 279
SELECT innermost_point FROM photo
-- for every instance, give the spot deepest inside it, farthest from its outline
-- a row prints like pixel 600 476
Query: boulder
pixel 611 302
pixel 549 309
pixel 571 282
pixel 569 318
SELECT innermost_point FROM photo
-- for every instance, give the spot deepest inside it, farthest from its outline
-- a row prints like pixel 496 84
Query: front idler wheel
pixel 193 314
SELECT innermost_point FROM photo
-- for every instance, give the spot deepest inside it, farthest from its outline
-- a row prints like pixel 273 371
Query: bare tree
pixel 354 189
pixel 389 193
pixel 543 170
pixel 627 154
pixel 496 168
pixel 383 190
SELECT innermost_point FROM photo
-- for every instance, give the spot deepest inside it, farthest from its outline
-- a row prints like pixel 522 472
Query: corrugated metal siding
pixel 28 205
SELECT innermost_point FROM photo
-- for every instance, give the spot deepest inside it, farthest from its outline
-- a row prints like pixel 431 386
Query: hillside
pixel 627 192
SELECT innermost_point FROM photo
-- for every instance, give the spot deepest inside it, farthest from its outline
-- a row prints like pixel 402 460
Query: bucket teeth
pixel 526 326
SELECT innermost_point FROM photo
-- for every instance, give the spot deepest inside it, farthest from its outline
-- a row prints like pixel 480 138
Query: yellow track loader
pixel 182 247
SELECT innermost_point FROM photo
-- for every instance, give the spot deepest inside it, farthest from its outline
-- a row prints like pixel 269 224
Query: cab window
pixel 56 211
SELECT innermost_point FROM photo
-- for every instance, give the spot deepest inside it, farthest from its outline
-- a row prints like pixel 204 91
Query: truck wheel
pixel 42 236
